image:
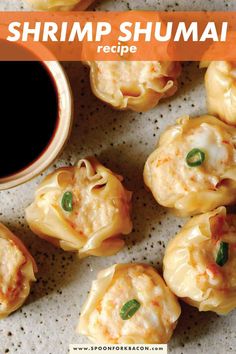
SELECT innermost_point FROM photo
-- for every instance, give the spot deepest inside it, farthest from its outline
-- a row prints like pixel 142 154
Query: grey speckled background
pixel 121 140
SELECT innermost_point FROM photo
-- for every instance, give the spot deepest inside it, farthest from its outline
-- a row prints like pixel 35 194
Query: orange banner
pixel 132 35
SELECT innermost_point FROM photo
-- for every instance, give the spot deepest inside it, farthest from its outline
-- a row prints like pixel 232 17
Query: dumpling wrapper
pixel 100 215
pixel 17 268
pixel 135 85
pixel 194 190
pixel 60 5
pixel 154 321
pixel 190 268
pixel 220 83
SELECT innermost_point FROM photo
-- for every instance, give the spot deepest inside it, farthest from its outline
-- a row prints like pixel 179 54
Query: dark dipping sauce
pixel 29 114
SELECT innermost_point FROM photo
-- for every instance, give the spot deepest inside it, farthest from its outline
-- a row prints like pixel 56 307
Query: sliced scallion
pixel 195 157
pixel 67 201
pixel 222 255
pixel 129 309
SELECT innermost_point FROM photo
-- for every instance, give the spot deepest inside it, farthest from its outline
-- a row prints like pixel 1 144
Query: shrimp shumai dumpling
pixel 59 5
pixel 135 85
pixel 17 268
pixel 220 82
pixel 200 262
pixel 193 170
pixel 129 303
pixel 83 208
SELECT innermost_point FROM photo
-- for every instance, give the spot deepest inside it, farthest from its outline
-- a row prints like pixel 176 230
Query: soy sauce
pixel 28 116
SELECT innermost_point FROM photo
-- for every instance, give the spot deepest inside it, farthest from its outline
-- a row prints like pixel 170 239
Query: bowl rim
pixel 61 134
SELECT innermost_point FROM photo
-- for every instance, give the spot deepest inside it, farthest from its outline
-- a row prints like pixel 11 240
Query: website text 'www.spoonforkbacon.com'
pixel 118 348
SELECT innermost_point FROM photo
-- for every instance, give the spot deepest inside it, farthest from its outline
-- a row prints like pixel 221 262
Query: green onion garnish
pixel 195 157
pixel 129 309
pixel 222 255
pixel 67 201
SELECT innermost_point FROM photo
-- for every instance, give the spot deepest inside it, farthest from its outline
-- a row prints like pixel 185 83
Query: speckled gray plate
pixel 121 140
